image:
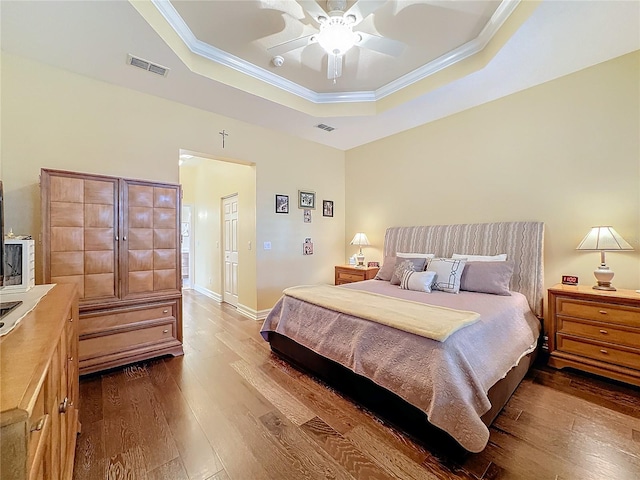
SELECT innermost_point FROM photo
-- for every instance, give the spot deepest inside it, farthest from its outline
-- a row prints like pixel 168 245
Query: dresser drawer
pixel 124 340
pixel 601 312
pixel 93 322
pixel 599 331
pixel 600 351
pixel 347 277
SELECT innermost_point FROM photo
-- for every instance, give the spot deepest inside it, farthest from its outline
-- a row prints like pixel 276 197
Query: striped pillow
pixel 417 281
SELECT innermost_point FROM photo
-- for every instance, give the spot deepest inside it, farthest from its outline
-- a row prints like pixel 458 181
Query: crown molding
pixel 221 57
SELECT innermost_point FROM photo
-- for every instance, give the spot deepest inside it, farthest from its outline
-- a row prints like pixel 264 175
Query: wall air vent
pixel 327 128
pixel 147 65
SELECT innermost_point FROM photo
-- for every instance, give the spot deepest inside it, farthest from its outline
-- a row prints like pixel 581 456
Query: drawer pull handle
pixel 165 331
pixel 604 332
pixel 603 312
pixel 64 405
pixel 38 426
pixel 165 311
pixel 602 350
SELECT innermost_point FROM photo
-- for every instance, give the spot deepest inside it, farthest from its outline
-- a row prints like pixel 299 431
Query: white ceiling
pixel 93 38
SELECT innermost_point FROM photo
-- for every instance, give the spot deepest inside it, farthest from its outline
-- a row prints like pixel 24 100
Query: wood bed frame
pixel 522 241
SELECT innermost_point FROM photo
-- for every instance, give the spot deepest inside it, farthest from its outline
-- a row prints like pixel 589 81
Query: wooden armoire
pixel 118 239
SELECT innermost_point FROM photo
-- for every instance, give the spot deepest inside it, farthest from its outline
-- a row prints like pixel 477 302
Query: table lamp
pixel 603 238
pixel 360 239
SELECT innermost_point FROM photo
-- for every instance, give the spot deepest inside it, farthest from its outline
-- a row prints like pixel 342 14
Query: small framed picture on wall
pixel 306 199
pixel 282 203
pixel 327 208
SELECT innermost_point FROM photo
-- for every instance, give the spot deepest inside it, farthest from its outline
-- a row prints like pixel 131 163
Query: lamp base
pixel 603 275
pixel 360 259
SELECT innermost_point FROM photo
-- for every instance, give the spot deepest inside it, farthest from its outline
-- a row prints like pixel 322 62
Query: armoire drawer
pixel 95 322
pixel 127 339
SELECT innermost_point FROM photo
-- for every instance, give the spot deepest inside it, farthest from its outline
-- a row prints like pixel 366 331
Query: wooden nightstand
pixel 596 331
pixel 350 274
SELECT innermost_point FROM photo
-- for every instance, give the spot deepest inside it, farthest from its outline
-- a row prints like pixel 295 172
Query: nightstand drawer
pixel 601 312
pixel 600 351
pixel 599 331
pixel 350 277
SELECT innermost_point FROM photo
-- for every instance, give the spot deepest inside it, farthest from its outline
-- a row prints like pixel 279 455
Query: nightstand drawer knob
pixel 602 350
pixel 603 312
pixel 604 332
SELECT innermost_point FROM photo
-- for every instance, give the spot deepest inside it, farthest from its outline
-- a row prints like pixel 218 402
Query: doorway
pixel 186 247
pixel 230 252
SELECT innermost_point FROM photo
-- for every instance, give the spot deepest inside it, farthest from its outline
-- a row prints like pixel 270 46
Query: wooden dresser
pixel 39 390
pixel 349 274
pixel 118 240
pixel 596 331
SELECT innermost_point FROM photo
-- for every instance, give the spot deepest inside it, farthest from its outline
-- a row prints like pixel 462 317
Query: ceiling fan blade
pixel 363 8
pixel 334 66
pixel 381 44
pixel 291 45
pixel 313 9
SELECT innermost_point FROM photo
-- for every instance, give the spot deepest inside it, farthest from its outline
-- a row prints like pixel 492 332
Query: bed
pixel 440 390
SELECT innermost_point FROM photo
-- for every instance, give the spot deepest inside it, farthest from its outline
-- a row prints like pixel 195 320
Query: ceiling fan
pixel 336 35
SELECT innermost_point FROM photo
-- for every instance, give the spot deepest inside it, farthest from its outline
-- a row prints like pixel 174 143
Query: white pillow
pixel 448 273
pixel 417 281
pixel 481 258
pixel 415 255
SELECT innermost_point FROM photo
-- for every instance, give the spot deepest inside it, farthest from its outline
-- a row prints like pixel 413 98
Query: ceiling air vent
pixel 147 65
pixel 327 128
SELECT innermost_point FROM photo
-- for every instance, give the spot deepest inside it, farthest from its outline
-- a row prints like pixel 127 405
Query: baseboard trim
pixel 251 313
pixel 209 293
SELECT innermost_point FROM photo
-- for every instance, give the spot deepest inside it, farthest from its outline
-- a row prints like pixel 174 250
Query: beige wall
pixel 566 153
pixel 56 119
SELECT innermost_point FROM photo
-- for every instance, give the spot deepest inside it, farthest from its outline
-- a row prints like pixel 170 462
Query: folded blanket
pixel 429 321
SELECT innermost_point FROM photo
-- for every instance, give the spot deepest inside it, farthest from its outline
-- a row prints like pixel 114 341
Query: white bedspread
pixel 448 380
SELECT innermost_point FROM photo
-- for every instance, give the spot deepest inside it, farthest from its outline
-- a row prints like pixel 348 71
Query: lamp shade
pixel 603 238
pixel 360 239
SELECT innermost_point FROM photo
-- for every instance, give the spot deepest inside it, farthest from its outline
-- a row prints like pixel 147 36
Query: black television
pixel 5 307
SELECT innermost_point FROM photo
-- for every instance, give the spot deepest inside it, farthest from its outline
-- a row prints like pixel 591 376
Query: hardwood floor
pixel 230 410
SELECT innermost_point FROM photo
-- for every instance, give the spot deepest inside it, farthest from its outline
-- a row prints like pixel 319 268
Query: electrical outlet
pixel 267 245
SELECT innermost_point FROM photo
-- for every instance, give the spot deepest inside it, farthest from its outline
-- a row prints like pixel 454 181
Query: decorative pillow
pixel 487 277
pixel 417 281
pixel 414 255
pixel 481 258
pixel 402 264
pixel 386 271
pixel 448 273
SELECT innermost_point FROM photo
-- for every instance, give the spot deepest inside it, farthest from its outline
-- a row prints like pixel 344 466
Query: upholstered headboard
pixel 521 241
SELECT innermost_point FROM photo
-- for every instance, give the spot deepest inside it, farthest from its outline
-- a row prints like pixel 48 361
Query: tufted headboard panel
pixel 521 241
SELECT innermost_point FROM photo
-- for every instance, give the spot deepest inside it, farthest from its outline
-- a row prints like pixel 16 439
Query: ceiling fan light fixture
pixel 336 37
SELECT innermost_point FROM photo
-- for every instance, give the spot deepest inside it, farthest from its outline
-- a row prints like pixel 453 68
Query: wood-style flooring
pixel 230 410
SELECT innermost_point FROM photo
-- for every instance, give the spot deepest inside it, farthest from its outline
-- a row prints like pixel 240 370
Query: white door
pixel 186 247
pixel 230 236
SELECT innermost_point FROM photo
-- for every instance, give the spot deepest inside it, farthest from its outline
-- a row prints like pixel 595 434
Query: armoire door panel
pixel 99 239
pixel 140 239
pixel 98 216
pixel 164 259
pixel 165 198
pixel 99 285
pixel 164 238
pixel 66 214
pixel 139 195
pixel 140 260
pixel 164 279
pixel 99 262
pixel 164 218
pixel 67 263
pixel 100 192
pixel 75 279
pixel 140 282
pixel 65 189
pixel 140 217
pixel 67 239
